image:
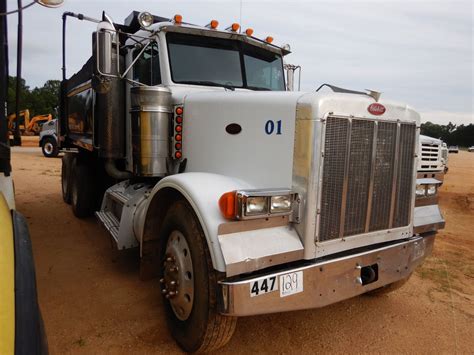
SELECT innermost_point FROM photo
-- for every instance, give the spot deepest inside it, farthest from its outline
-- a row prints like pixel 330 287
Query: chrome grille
pixel 429 155
pixel 367 176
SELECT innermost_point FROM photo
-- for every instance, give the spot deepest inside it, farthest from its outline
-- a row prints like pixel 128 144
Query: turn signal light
pixel 249 31
pixel 179 110
pixel 227 204
pixel 269 39
pixel 178 19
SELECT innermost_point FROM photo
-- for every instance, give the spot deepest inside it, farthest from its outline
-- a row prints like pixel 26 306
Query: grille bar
pixel 367 176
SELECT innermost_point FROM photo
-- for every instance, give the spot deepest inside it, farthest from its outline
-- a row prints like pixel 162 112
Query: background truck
pixel 48 139
pixel 242 197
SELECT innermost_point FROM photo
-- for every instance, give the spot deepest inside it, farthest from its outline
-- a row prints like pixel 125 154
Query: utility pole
pixel 5 167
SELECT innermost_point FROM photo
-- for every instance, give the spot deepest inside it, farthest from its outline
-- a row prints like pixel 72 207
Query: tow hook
pixel 369 274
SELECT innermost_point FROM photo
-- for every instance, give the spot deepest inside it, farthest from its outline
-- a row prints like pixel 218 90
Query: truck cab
pixel 243 198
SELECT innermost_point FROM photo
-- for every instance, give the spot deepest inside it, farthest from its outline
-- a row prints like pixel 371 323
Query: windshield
pixel 222 62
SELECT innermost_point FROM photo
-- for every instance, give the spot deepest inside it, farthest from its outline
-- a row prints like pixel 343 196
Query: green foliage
pixel 451 134
pixel 39 101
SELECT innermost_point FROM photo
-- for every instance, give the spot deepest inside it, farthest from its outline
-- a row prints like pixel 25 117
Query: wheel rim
pixel 178 276
pixel 48 148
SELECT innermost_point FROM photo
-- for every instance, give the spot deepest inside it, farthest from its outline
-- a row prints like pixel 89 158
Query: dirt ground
pixel 93 301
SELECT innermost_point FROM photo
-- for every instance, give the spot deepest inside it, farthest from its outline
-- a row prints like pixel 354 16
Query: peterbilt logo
pixel 376 109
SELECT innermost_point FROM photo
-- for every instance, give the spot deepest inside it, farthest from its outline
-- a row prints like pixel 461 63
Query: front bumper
pixel 326 282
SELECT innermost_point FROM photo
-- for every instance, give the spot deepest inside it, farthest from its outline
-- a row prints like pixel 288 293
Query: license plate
pixel 263 285
pixel 291 283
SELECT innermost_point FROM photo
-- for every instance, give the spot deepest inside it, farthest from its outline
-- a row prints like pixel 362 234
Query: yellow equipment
pixel 28 126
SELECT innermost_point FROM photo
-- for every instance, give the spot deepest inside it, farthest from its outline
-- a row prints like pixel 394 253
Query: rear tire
pixel 49 147
pixel 66 166
pixel 199 327
pixel 82 189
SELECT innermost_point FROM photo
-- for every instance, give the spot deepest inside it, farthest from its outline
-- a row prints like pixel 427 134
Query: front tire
pixel 189 284
pixel 49 147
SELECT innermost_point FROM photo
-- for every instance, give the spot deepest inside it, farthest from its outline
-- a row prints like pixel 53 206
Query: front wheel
pixel 49 147
pixel 189 284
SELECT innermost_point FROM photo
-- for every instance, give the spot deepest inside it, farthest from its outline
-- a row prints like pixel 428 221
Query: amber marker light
pixel 179 110
pixel 227 204
pixel 178 19
pixel 249 32
pixel 214 24
pixel 235 27
pixel 269 39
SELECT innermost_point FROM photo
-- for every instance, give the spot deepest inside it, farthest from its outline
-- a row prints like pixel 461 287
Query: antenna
pixel 240 17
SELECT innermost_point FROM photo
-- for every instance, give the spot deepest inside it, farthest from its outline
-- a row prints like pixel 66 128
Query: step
pixel 110 222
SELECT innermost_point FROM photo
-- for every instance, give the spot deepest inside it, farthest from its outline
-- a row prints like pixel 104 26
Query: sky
pixel 419 52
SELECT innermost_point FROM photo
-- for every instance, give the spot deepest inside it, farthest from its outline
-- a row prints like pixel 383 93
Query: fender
pixel 202 191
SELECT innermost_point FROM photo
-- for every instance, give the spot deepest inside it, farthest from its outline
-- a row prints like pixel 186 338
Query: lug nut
pixel 169 258
pixel 162 281
pixel 163 291
pixel 172 283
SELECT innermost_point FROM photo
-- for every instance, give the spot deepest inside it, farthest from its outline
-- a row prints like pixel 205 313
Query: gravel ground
pixel 93 301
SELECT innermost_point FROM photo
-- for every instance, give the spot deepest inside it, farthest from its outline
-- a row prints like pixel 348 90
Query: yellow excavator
pixel 28 126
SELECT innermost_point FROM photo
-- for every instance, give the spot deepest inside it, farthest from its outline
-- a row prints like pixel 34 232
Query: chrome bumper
pixel 328 281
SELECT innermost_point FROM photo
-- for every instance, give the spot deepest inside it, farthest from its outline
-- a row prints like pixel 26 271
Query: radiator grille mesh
pixel 355 176
pixel 359 173
pixel 333 177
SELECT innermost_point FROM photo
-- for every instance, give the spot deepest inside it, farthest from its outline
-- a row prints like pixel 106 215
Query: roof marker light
pixel 249 32
pixel 269 39
pixel 213 24
pixel 178 19
pixel 234 27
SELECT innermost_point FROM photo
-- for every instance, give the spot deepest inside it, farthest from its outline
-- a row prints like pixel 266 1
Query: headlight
pixel 420 190
pixel 431 190
pixel 262 203
pixel 145 19
pixel 280 204
pixel 256 205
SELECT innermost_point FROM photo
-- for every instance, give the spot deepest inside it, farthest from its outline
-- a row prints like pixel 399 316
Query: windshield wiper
pixel 257 88
pixel 211 83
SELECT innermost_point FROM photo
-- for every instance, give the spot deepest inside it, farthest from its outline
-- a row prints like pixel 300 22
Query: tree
pixel 39 101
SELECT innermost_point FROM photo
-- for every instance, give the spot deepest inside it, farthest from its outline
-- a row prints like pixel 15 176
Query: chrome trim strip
pixel 372 177
pixel 80 88
pixel 395 177
pixel 346 179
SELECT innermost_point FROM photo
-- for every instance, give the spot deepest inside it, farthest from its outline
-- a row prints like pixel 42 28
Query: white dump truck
pixel 242 197
pixel 433 158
